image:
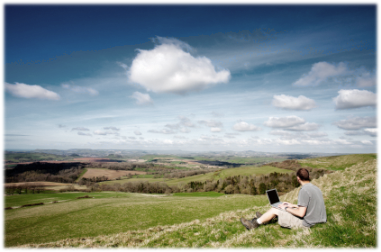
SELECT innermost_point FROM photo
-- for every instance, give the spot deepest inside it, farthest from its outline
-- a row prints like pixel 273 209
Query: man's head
pixel 303 175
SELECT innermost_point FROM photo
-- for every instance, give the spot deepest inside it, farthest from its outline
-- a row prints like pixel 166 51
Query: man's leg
pixel 268 216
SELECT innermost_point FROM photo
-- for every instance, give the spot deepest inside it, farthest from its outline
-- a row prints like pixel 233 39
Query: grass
pixel 350 197
pixel 337 163
pixel 110 213
pixel 199 194
pixel 243 171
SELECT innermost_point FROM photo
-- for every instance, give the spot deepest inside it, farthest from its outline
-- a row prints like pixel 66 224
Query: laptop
pixel 272 194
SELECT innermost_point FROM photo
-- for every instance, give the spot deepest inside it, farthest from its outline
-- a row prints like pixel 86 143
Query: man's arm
pixel 296 210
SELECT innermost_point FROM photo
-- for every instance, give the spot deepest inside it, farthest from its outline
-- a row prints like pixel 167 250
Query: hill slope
pixel 350 198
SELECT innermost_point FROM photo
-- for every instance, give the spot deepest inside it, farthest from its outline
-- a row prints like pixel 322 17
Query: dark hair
pixel 303 174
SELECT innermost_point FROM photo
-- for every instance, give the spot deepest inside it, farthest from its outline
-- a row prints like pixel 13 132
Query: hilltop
pixel 350 197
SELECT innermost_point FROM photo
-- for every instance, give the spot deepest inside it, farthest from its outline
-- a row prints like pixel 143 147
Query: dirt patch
pixel 111 174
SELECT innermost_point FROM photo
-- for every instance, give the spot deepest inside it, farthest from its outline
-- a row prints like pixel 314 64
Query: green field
pixel 337 163
pixel 243 171
pixel 108 213
pixel 196 220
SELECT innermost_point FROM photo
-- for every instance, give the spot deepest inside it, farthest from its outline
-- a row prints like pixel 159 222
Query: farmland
pixel 244 171
pixel 200 219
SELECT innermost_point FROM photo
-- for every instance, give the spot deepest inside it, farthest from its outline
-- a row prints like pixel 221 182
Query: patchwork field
pixel 111 219
pixel 244 171
pixel 111 174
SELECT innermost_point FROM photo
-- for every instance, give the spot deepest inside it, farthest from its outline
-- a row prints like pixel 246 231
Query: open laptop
pixel 272 194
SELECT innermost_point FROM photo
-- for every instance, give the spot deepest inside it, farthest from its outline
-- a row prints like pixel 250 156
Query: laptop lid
pixel 272 195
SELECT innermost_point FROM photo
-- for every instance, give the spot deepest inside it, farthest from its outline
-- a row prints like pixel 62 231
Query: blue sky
pixel 199 78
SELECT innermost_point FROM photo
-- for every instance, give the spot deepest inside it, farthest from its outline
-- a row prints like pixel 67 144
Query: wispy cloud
pixel 142 99
pixel 321 72
pixel 80 129
pixel 355 123
pixel 31 91
pixel 82 90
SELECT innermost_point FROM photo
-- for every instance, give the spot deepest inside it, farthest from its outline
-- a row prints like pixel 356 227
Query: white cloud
pixel 366 80
pixel 82 90
pixel 31 91
pixel 244 126
pixel 142 99
pixel 305 127
pixel 104 133
pixel 317 134
pixel 284 122
pixel 215 129
pixel 169 69
pixel 293 123
pixel 137 132
pixel 371 132
pixel 355 123
pixel 321 72
pixel 355 98
pixel 80 129
pixel 210 123
pixel 293 103
pixel 163 131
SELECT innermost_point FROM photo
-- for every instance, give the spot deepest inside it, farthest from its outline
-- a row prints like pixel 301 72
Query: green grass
pixel 337 163
pixel 185 221
pixel 82 173
pixel 109 215
pixel 47 197
pixel 243 171
pixel 199 194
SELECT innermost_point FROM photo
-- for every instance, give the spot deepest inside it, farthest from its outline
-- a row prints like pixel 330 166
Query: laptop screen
pixel 273 196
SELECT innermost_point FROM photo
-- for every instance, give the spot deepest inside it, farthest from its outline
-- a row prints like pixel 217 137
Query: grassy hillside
pixel 244 171
pixel 337 163
pixel 350 197
pixel 109 213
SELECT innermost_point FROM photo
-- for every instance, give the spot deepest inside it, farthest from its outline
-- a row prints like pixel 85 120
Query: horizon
pixel 276 78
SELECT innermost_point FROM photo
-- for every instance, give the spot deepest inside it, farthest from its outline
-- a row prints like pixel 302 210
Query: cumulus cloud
pixel 321 72
pixel 293 103
pixel 354 98
pixel 82 90
pixel 366 80
pixel 293 123
pixel 215 129
pixel 244 126
pixel 355 123
pixel 169 69
pixel 284 122
pixel 80 129
pixel 137 132
pixel 371 132
pixel 142 99
pixel 31 91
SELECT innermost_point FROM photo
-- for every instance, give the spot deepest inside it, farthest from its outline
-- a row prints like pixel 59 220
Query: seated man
pixel 309 211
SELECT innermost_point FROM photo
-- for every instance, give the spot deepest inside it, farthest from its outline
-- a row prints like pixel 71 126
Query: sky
pixel 277 78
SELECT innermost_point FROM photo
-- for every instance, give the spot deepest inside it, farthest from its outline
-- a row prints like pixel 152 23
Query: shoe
pixel 258 214
pixel 249 224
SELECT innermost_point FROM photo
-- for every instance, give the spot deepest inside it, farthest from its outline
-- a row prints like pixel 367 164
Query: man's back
pixel 311 197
